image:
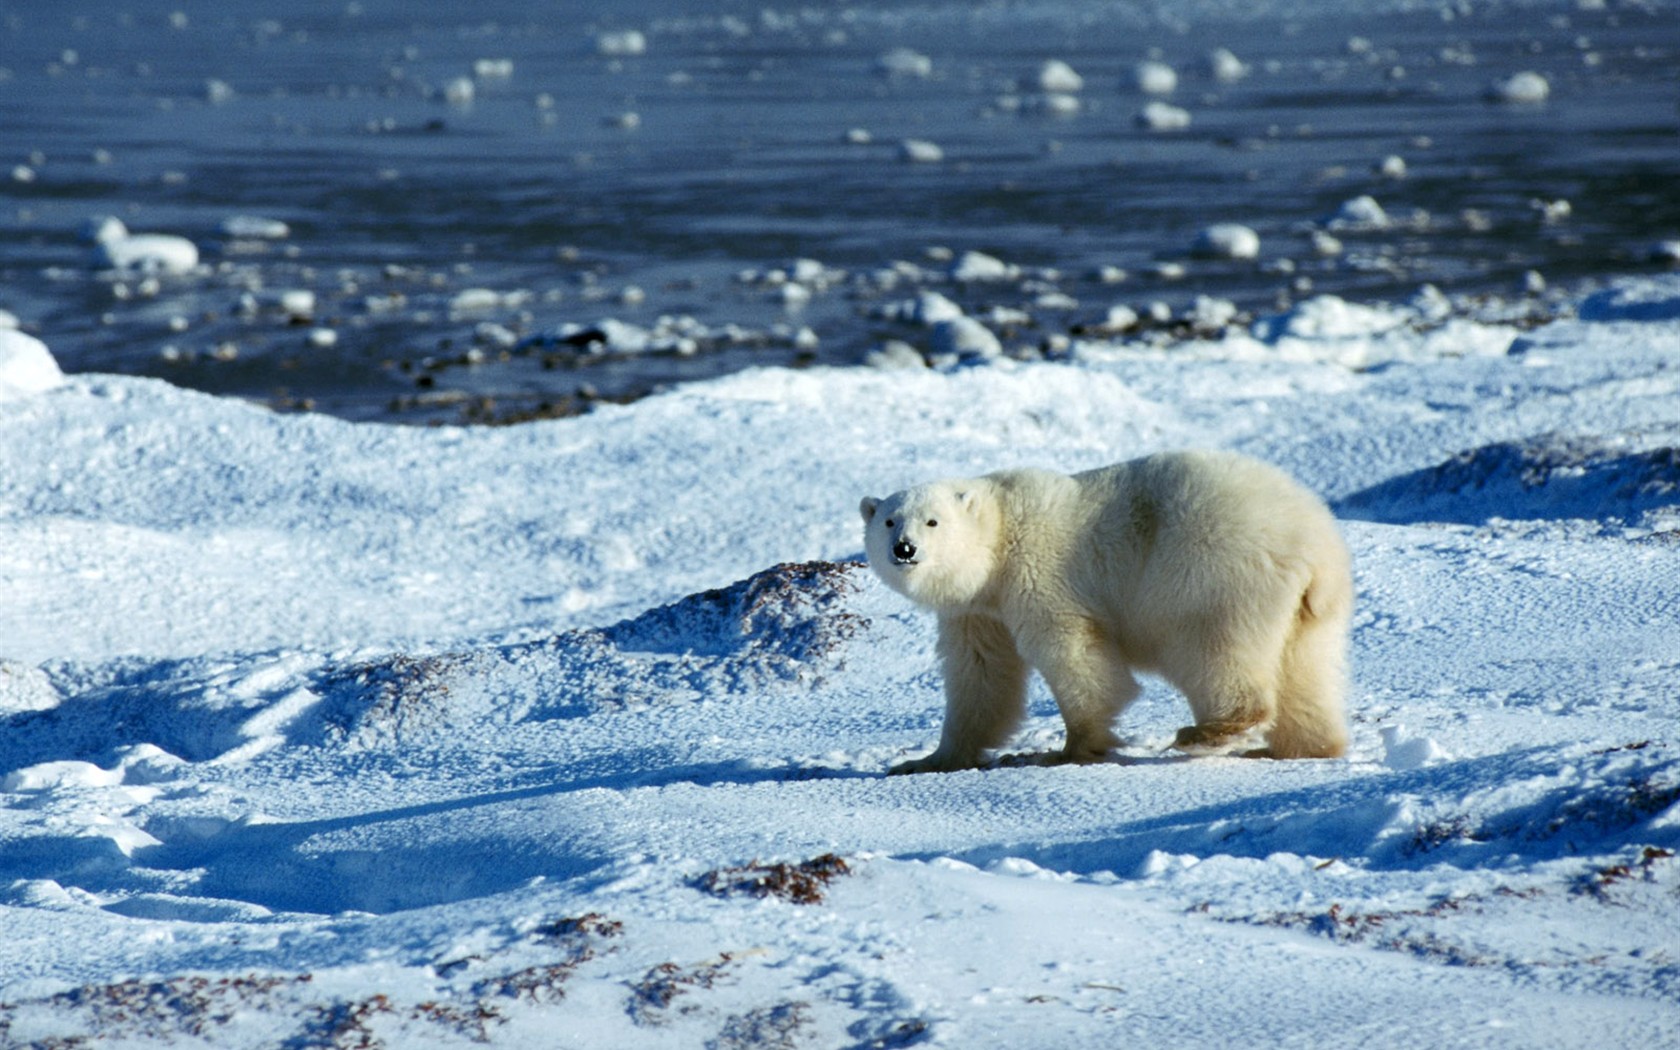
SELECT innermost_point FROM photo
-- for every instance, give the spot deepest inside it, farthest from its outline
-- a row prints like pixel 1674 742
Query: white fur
pixel 1216 571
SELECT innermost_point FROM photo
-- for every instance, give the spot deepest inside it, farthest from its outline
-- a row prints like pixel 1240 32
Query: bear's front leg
pixel 1091 681
pixel 985 693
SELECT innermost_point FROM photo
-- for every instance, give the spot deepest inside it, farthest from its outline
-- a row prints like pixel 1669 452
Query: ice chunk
pixel 931 308
pixel 115 248
pixel 255 227
pixel 26 367
pixel 1058 77
pixel 894 354
pixel 460 91
pixel 621 43
pixel 903 62
pixel 1156 78
pixel 1226 67
pixel 1360 213
pixel 978 266
pixel 1525 88
pixel 965 337
pixel 920 151
pixel 1163 116
pixel 1227 240
pixel 1329 317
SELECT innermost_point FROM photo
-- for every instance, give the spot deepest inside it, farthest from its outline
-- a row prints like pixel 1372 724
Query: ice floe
pixel 116 249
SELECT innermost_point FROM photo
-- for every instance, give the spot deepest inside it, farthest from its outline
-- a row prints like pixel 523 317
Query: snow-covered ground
pixel 348 735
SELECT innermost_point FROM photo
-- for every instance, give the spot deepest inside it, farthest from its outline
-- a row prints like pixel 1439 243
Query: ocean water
pixel 727 182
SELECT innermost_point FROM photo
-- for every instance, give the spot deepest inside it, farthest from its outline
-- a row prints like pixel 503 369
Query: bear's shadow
pixel 1116 757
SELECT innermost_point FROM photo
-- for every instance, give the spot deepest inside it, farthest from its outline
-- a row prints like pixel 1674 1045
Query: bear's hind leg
pixel 1310 718
pixel 1230 692
pixel 985 693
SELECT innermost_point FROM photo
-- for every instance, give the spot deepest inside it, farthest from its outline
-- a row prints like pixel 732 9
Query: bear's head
pixel 934 543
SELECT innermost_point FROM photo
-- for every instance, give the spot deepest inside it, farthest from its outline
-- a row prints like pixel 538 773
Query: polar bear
pixel 1215 571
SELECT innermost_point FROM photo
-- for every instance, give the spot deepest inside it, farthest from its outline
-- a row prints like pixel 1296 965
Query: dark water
pixel 331 116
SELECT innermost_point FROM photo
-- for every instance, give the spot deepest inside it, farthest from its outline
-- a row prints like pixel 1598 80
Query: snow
pixel 26 365
pixel 319 733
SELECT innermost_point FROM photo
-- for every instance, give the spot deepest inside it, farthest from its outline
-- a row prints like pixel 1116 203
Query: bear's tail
pixel 1313 677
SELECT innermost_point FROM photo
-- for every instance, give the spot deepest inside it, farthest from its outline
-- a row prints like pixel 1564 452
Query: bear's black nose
pixel 904 550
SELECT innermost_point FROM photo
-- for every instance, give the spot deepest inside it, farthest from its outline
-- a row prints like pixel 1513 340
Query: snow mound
pixel 25 688
pixel 1358 336
pixel 1551 476
pixel 26 366
pixel 784 628
pixel 1327 317
pixel 1650 300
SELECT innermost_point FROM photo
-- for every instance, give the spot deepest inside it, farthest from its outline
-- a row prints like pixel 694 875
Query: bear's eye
pixel 889 523
pixel 932 524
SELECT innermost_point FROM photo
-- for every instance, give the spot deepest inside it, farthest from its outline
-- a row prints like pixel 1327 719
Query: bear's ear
pixel 965 499
pixel 867 508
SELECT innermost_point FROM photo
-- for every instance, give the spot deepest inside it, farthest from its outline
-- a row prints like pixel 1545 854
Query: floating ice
pixel 1058 77
pixel 255 227
pixel 1392 166
pixel 1553 211
pixel 930 308
pixel 493 68
pixel 460 91
pixel 1118 318
pixel 978 266
pixel 894 354
pixel 1226 240
pixel 1156 78
pixel 1211 315
pixel 620 43
pixel 811 272
pixel 1525 88
pixel 920 151
pixel 296 304
pixel 474 300
pixel 1164 116
pixel 1360 213
pixel 964 337
pixel 903 62
pixel 489 333
pixel 117 249
pixel 217 92
pixel 674 335
pixel 1329 317
pixel 1057 104
pixel 1226 67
